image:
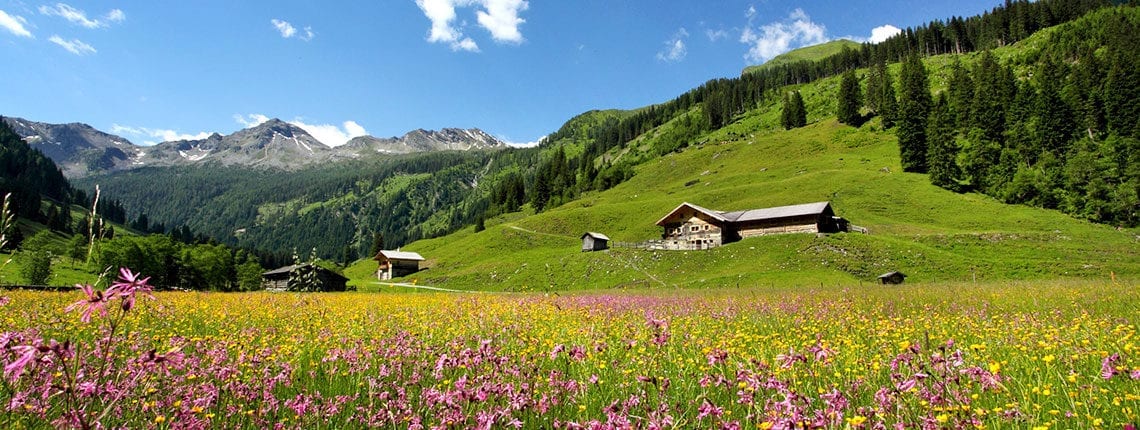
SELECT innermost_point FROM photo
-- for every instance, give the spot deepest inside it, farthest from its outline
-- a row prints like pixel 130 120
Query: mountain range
pixel 81 150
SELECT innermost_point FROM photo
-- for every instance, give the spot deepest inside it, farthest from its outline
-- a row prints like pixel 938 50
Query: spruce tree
pixel 799 117
pixel 914 110
pixel 961 95
pixel 786 113
pixel 850 98
pixel 942 155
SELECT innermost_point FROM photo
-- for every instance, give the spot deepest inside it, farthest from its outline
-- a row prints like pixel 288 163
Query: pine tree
pixel 1055 122
pixel 942 155
pixel 881 94
pixel 914 110
pixel 961 95
pixel 994 89
pixel 1122 97
pixel 786 113
pixel 850 98
pixel 799 117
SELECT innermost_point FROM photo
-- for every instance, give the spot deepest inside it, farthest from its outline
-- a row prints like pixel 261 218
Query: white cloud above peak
pixel 883 32
pixel 149 135
pixel 328 134
pixel 498 17
pixel 79 17
pixel 775 38
pixel 14 24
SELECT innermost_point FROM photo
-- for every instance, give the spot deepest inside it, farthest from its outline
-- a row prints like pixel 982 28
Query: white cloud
pixel 328 134
pixel 674 48
pixel 332 135
pixel 715 35
pixel 78 16
pixel 251 120
pixel 882 33
pixel 14 24
pixel 163 135
pixel 775 38
pixel 287 30
pixel 533 144
pixel 284 27
pixel 499 17
pixel 75 46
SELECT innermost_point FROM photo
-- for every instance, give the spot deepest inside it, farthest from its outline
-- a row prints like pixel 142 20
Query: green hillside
pixel 929 233
pixel 807 53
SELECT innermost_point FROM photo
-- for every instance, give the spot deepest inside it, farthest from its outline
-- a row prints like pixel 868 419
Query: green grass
pixel 807 53
pixel 929 233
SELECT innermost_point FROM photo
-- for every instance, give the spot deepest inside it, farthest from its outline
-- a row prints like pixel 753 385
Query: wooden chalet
pixel 278 279
pixel 693 227
pixel 594 241
pixel 394 264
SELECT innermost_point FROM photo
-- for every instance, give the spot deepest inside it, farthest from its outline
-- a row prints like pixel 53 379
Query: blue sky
pixel 158 70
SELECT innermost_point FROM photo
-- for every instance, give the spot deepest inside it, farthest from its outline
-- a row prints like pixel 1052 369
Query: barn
pixel 892 278
pixel 279 279
pixel 693 227
pixel 394 264
pixel 594 241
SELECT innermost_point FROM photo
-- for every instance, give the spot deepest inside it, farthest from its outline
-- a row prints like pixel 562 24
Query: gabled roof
pixel 754 214
pixel 890 274
pixel 595 235
pixel 399 255
pixel 778 212
pixel 714 214
pixel 289 269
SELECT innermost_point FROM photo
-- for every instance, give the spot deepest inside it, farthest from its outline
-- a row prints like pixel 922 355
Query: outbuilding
pixel 394 264
pixel 282 279
pixel 892 278
pixel 594 242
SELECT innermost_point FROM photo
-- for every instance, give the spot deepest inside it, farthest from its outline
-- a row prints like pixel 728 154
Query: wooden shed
pixel 279 279
pixel 594 241
pixel 394 264
pixel 892 278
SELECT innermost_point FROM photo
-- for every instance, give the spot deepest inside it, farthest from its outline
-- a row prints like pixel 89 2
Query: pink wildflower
pixel 95 302
pixel 14 369
pixel 1108 366
pixel 128 285
pixel 4 300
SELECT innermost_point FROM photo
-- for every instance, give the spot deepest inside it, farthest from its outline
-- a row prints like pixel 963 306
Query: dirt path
pixel 539 232
pixel 423 287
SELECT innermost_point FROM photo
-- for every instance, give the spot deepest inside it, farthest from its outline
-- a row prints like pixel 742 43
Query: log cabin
pixel 693 227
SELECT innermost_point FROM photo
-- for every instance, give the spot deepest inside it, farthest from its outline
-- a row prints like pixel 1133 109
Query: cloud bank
pixel 149 135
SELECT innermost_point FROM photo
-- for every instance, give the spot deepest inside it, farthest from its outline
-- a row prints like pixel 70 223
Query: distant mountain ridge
pixel 81 150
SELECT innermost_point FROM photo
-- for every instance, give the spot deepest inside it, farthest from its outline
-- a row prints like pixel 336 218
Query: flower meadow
pixel 1048 355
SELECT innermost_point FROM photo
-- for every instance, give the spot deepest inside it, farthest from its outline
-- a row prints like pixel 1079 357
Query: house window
pixel 694 229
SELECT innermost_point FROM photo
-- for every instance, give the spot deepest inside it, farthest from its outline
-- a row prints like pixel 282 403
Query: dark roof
pixel 778 212
pixel 595 235
pixel 289 269
pixel 755 214
pixel 890 274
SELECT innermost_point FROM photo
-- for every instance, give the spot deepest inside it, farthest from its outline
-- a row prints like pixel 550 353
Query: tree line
pixel 1057 129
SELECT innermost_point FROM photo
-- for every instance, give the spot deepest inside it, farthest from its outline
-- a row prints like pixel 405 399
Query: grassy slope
pixel 928 233
pixel 807 53
pixel 924 231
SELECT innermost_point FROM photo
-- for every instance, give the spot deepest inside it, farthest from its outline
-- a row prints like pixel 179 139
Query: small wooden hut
pixel 594 242
pixel 278 279
pixel 894 278
pixel 394 264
